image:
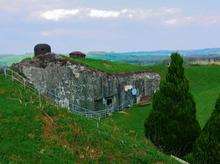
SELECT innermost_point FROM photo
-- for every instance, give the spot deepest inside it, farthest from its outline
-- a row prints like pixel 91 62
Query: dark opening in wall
pixel 98 104
pixel 109 100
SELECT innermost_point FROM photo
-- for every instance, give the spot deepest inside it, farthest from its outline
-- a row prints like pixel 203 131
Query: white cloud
pixel 206 20
pixel 58 14
pixel 171 22
pixel 163 16
pixel 94 13
pixel 58 10
pixel 172 10
pixel 180 21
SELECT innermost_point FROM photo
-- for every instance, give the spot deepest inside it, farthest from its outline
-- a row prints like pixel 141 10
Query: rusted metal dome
pixel 41 49
pixel 77 54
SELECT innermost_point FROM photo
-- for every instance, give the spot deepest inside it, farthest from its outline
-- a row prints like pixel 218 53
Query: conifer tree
pixel 207 147
pixel 172 125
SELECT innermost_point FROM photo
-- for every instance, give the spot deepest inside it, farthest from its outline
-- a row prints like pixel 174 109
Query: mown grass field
pixel 28 134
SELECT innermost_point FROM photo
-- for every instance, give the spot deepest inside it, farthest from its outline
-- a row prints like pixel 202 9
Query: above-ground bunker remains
pixel 77 54
pixel 74 85
pixel 41 49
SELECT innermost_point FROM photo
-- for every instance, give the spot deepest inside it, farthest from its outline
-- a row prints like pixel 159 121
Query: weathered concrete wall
pixel 69 84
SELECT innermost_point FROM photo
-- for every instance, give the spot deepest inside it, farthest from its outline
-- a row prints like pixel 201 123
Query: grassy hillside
pixel 36 131
pixel 205 87
pixel 28 134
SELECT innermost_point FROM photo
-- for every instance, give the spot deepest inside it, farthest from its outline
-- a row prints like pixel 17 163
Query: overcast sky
pixel 109 25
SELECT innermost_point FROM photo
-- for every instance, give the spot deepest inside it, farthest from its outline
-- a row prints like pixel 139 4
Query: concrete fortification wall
pixel 71 84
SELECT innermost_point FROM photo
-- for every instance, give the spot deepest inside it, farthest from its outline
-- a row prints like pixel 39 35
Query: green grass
pixel 28 135
pixel 205 87
pixel 107 66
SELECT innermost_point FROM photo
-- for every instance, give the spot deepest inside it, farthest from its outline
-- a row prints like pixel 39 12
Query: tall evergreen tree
pixel 172 125
pixel 207 147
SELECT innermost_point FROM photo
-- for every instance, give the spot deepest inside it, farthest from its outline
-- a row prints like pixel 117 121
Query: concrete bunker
pixel 41 49
pixel 77 54
pixel 81 88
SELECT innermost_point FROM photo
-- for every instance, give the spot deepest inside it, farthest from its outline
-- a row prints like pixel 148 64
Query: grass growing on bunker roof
pixel 108 66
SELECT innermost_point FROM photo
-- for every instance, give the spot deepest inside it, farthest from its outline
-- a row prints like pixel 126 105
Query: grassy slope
pixel 205 87
pixel 28 134
pixel 120 137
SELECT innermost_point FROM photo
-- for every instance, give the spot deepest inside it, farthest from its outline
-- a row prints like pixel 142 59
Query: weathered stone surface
pixel 72 84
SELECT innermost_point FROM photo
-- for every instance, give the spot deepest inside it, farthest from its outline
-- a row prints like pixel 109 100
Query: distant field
pixel 10 59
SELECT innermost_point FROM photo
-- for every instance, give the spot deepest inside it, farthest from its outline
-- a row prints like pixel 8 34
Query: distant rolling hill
pixel 151 57
pixel 142 57
pixel 10 58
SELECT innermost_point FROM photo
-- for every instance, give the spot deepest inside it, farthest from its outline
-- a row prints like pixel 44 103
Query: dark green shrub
pixel 172 125
pixel 207 147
